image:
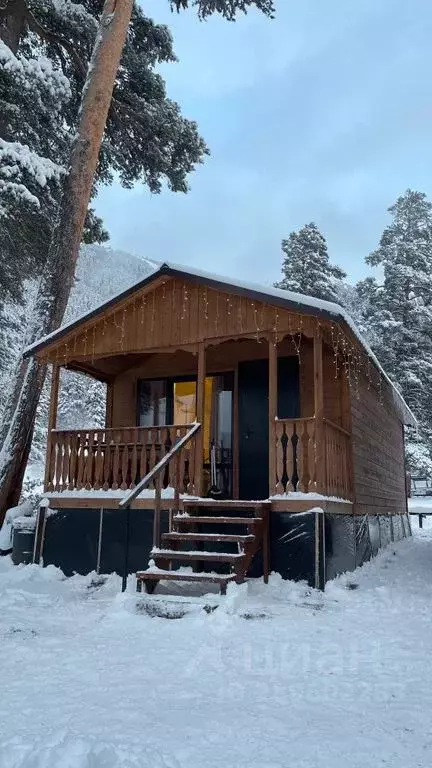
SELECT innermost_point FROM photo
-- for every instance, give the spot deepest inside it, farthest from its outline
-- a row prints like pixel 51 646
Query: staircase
pixel 205 536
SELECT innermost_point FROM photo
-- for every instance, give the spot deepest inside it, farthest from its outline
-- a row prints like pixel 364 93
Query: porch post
pixel 320 457
pixel 272 411
pixel 52 419
pixel 200 398
pixel 109 405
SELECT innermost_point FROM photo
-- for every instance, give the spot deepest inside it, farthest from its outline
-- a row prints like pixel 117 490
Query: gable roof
pixel 296 302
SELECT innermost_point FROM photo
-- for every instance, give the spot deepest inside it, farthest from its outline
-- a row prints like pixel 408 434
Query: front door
pixel 253 423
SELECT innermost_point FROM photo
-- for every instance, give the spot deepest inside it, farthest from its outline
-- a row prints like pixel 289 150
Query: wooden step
pixel 192 519
pixel 161 575
pixel 151 577
pixel 197 555
pixel 216 537
pixel 225 503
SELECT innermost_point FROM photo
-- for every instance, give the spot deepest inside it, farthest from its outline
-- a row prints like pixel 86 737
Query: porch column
pixel 109 405
pixel 272 412
pixel 320 458
pixel 200 402
pixel 52 419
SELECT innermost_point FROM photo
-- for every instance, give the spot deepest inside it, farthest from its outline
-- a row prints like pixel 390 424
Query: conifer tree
pixel 99 94
pixel 398 310
pixel 306 267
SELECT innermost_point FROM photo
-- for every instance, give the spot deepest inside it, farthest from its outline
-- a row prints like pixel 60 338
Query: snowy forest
pixel 393 311
pixel 45 52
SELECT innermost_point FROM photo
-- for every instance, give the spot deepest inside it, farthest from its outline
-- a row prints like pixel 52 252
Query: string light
pixel 276 328
pixel 93 343
pixel 205 300
pixel 153 312
pixel 217 314
pixel 185 302
pixel 240 315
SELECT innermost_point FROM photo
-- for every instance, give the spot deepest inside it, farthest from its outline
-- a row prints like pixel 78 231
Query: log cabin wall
pixel 378 452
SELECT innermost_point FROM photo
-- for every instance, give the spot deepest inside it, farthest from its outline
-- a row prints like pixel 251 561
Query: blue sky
pixel 323 114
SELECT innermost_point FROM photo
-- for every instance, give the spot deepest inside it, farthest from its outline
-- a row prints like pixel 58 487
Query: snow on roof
pixel 288 299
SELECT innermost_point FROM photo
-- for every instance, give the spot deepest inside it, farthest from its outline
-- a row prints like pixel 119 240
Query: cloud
pixel 322 114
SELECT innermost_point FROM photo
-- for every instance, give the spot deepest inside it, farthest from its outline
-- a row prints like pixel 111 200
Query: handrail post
pixel 157 512
pixel 52 422
pixel 272 410
pixel 200 406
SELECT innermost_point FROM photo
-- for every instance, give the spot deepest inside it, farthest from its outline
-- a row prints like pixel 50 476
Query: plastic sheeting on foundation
pixel 352 540
pixel 84 540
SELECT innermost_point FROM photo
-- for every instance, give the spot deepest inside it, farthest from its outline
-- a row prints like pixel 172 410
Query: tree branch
pixel 10 7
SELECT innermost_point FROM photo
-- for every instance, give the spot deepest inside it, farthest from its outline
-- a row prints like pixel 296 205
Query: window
pixel 152 403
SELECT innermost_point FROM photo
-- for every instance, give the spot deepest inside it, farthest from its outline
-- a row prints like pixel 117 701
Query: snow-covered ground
pixel 282 676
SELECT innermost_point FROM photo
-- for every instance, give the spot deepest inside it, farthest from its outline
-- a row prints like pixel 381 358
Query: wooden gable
pixel 173 313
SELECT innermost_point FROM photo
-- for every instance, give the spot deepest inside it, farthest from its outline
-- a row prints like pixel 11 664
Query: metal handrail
pixel 165 460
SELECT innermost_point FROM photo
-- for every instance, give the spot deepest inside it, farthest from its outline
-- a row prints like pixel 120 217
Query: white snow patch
pixel 277 676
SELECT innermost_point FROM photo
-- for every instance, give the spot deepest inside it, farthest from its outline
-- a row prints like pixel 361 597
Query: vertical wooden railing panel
pixel 338 447
pixel 112 458
pixel 295 455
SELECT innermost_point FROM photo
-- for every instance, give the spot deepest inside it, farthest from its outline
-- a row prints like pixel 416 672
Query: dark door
pixel 253 419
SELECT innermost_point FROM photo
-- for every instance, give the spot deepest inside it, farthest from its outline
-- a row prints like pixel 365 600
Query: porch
pixel 271 428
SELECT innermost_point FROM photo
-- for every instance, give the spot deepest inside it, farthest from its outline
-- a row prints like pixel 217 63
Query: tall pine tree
pixel 398 310
pixel 45 49
pixel 306 267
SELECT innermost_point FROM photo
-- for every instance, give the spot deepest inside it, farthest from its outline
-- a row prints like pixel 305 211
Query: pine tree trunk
pixel 57 279
pixel 12 24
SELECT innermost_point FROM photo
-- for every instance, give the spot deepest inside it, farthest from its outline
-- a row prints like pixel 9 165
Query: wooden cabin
pixel 230 409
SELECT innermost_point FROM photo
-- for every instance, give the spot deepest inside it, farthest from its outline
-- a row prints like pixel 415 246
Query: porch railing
pixel 295 455
pixel 296 458
pixel 338 475
pixel 111 459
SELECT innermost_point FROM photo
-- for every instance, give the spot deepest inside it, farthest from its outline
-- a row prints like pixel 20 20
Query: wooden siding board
pixel 378 455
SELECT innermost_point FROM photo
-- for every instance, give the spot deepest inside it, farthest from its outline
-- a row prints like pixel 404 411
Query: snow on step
pixel 188 519
pixel 225 503
pixel 216 537
pixel 196 554
pixel 162 575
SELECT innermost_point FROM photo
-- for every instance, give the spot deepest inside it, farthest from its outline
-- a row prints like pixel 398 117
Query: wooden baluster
pixel 73 461
pixel 134 458
pixel 59 462
pixel 89 462
pixel 279 429
pixel 81 459
pixel 153 434
pixel 98 469
pixel 304 453
pixel 289 455
pixel 311 454
pixel 301 468
pixel 116 459
pixel 189 455
pixel 51 461
pixel 107 461
pixel 125 459
pixel 65 463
